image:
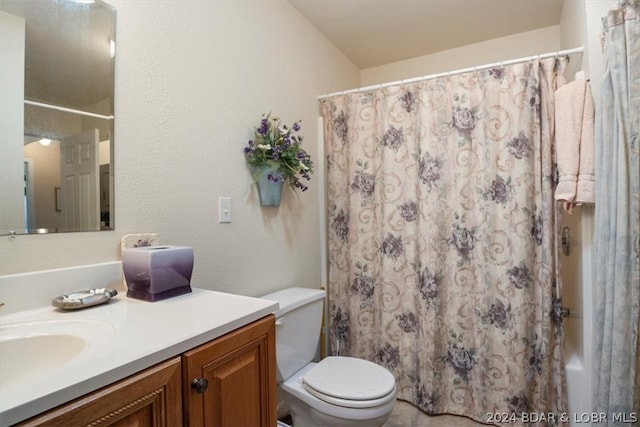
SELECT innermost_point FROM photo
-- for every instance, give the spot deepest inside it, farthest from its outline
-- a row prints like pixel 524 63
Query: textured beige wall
pixel 192 78
pixel 501 49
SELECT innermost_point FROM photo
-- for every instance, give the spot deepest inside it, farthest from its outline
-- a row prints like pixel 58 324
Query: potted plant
pixel 275 157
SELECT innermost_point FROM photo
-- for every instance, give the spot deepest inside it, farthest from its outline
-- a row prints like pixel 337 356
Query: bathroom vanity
pixel 204 358
pixel 228 381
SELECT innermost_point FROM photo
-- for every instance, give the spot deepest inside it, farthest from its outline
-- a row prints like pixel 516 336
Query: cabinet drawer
pixel 150 398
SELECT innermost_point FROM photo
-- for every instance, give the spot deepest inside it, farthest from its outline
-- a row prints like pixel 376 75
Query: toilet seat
pixel 350 382
pixel 296 393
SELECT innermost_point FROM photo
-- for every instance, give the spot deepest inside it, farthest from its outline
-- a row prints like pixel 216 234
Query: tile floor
pixel 407 415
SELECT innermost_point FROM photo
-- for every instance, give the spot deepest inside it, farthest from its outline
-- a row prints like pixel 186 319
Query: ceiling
pixel 377 32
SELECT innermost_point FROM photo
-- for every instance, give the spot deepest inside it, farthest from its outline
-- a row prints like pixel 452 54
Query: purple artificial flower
pixel 264 127
pixel 274 146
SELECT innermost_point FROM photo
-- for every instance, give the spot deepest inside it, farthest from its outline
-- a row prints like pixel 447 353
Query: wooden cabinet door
pixel 150 398
pixel 240 370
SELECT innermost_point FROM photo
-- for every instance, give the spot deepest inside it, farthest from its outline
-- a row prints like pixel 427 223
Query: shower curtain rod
pixel 67 110
pixel 566 52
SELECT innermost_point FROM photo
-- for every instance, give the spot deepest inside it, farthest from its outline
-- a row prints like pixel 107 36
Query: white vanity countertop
pixel 145 334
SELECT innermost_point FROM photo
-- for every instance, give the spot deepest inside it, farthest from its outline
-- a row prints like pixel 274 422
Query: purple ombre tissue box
pixel 154 273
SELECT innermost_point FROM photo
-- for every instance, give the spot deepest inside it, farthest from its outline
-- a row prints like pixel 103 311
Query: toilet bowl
pixel 315 408
pixel 337 391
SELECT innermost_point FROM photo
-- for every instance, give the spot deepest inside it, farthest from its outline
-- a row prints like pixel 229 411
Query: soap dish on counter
pixel 84 299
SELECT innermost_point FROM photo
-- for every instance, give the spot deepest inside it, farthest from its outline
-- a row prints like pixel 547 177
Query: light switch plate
pixel 224 209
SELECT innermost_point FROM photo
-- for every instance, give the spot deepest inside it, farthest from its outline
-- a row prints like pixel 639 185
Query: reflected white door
pixel 80 184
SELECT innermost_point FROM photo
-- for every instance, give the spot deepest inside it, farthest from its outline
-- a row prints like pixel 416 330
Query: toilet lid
pixel 348 378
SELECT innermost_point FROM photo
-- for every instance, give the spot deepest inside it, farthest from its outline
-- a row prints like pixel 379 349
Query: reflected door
pixel 80 184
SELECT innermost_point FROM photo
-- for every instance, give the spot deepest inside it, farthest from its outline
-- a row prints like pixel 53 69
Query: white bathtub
pixel 578 388
pixel 577 295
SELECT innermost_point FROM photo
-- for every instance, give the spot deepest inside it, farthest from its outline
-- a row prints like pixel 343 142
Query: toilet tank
pixel 298 324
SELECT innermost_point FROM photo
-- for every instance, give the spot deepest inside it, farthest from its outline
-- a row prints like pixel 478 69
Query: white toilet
pixel 337 391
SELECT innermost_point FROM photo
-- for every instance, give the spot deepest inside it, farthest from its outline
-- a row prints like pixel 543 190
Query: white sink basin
pixel 31 349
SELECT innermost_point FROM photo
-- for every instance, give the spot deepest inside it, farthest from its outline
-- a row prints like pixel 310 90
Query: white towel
pixel 575 148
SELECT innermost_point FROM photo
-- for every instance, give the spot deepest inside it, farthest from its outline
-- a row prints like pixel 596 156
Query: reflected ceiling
pixel 52 60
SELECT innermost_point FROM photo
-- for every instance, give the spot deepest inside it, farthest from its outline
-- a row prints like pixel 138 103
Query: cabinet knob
pixel 200 384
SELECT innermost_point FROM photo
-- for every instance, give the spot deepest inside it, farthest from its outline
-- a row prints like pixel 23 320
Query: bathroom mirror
pixel 56 140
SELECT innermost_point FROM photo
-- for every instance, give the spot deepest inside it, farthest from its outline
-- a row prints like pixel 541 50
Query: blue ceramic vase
pixel 269 192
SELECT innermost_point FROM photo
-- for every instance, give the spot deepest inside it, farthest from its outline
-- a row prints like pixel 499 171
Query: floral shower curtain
pixel 441 243
pixel 617 220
